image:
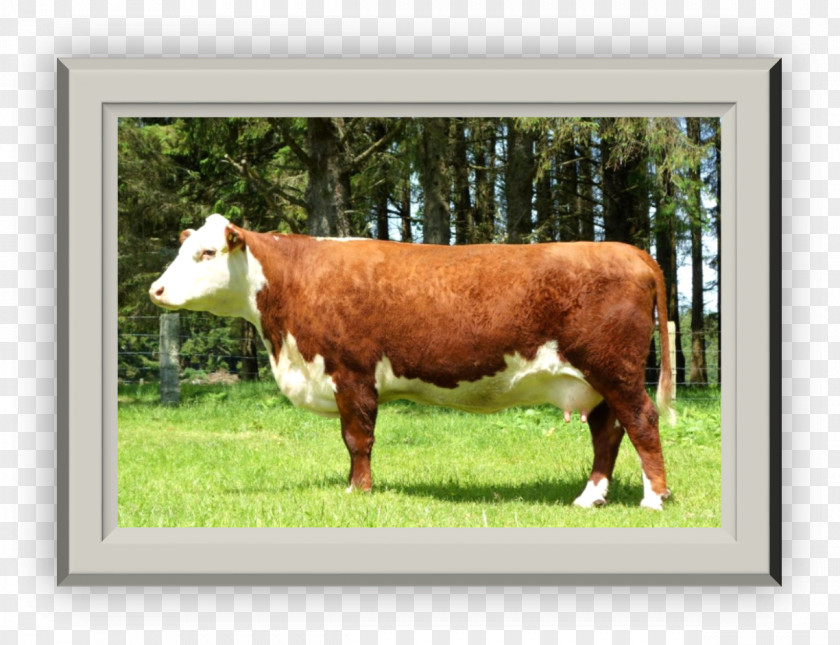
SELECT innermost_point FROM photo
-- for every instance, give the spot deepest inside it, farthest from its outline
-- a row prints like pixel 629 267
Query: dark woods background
pixel 651 182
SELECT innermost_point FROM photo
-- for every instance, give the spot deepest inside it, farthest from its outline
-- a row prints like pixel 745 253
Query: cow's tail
pixel 663 391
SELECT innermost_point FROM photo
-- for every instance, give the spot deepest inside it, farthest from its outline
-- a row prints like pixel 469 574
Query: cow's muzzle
pixel 156 295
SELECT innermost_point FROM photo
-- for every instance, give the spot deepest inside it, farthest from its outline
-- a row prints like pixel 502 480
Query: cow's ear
pixel 185 235
pixel 234 237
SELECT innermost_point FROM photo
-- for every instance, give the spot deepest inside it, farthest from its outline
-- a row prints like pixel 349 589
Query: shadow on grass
pixel 542 491
pixel 545 491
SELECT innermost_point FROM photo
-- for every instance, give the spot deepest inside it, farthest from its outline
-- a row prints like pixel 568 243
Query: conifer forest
pixel 651 182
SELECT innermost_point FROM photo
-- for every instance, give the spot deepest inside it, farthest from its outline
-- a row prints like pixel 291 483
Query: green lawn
pixel 243 456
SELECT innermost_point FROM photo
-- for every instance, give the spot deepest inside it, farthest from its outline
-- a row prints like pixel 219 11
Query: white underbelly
pixel 544 379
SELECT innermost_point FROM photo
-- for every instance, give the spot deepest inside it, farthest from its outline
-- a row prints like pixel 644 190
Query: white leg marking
pixel 651 499
pixel 593 494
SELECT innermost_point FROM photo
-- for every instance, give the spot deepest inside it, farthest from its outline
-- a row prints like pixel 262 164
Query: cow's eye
pixel 206 254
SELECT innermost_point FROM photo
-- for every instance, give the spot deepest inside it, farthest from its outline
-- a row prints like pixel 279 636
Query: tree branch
pixel 376 146
pixel 267 191
pixel 289 140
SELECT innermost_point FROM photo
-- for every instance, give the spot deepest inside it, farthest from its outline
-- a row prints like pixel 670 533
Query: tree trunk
pixel 717 234
pixel 666 256
pixel 614 180
pixel 519 180
pixel 567 193
pixel 485 200
pixel 461 184
pixel 405 212
pixel 640 186
pixel 624 189
pixel 697 375
pixel 382 189
pixel 543 205
pixel 381 210
pixel 585 205
pixel 435 181
pixel 328 190
pixel 543 198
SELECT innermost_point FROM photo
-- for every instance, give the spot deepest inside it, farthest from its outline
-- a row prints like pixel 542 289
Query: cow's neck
pixel 255 281
pixel 267 279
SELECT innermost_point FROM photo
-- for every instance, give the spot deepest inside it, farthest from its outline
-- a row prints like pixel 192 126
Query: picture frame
pixel 744 93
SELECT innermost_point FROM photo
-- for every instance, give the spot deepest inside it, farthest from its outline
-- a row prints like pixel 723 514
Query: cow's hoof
pixel 593 494
pixel 589 503
pixel 651 499
pixel 653 502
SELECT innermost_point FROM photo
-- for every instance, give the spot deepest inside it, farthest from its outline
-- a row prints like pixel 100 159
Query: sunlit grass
pixel 243 456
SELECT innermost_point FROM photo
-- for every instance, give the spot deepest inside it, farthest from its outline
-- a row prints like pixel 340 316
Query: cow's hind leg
pixel 357 407
pixel 606 439
pixel 640 418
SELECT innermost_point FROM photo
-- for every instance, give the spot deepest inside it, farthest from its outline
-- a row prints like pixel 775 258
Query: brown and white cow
pixel 351 323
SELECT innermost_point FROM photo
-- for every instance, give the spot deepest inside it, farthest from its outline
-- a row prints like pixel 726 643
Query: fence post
pixel 170 386
pixel 672 352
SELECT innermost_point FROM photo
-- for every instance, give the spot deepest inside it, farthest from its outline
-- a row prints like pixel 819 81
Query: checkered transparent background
pixel 805 34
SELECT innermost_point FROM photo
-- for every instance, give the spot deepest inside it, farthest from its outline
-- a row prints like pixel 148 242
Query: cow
pixel 352 323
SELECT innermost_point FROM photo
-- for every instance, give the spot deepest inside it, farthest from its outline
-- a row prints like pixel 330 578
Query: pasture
pixel 242 456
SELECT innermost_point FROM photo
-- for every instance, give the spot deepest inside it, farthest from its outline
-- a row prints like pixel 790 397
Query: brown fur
pixel 451 314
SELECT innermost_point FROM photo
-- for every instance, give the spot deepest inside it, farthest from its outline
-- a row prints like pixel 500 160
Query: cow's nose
pixel 155 292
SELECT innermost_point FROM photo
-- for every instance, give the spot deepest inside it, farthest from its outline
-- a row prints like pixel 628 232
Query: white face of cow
pixel 213 272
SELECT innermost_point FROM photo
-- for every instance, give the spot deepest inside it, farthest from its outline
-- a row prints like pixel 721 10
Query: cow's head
pixel 212 272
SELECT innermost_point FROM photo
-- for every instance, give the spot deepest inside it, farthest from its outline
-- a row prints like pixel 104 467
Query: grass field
pixel 242 456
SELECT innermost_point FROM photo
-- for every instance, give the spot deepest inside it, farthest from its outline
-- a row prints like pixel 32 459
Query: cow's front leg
pixel 357 406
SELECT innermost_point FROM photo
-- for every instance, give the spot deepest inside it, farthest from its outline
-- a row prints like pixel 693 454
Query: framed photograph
pixel 186 185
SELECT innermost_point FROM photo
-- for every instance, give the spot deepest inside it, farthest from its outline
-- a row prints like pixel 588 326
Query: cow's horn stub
pixel 185 235
pixel 233 236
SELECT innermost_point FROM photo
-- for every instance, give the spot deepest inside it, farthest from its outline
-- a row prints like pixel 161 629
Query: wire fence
pixel 210 350
pixel 216 350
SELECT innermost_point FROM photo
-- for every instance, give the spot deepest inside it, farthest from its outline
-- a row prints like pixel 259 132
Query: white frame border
pixel 93 93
